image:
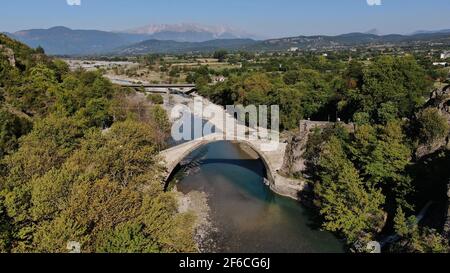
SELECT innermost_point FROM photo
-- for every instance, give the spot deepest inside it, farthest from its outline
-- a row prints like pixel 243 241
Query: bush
pixel 432 126
pixel 156 98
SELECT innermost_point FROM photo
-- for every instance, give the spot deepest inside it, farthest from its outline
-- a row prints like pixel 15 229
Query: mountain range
pixel 189 32
pixel 65 41
pixel 185 38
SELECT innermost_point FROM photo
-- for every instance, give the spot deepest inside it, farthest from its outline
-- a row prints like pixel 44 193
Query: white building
pixel 440 64
pixel 293 49
pixel 445 55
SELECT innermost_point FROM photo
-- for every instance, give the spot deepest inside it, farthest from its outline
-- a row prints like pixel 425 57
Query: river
pixel 247 215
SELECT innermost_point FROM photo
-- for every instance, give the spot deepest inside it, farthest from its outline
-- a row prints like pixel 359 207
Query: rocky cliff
pixel 440 99
pixel 294 161
pixel 9 54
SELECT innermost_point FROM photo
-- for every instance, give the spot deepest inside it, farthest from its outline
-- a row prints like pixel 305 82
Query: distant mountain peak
pixel 190 32
pixel 374 31
pixel 59 28
pixel 181 27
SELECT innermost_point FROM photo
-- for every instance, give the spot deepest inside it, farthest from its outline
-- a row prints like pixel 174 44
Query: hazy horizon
pixel 264 18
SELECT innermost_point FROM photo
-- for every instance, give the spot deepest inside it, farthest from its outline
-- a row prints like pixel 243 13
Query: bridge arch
pixel 175 160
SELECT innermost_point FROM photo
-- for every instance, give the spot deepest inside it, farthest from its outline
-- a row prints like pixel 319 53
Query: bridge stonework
pixel 273 161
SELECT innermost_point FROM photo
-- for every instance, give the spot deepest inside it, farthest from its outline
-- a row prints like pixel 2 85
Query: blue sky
pixel 270 18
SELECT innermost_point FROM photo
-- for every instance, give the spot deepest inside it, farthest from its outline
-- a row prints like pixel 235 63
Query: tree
pixel 156 99
pixel 61 69
pixel 8 74
pixel 160 121
pixel 387 112
pixel 5 229
pixel 11 129
pixel 96 113
pixel 401 223
pixel 53 236
pixel 291 77
pixel 361 118
pixel 40 50
pixel 432 125
pixel 399 81
pixel 381 155
pixel 126 238
pixel 415 239
pixel 221 55
pixel 346 205
pixel 49 193
pixel 354 75
pixel 51 141
pixel 36 95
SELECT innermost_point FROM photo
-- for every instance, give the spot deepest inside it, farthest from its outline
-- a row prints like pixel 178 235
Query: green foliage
pixel 51 141
pixel 399 81
pixel 102 186
pixel 40 50
pixel 63 179
pixel 304 94
pixel 8 74
pixel 156 99
pixel 36 94
pixel 5 229
pixel 291 77
pixel 221 55
pixel 416 239
pixel 346 205
pixel 160 120
pixel 11 129
pixel 382 156
pixel 357 175
pixel 126 238
pixel 388 112
pixel 401 223
pixel 361 118
pixel 432 126
pixel 96 113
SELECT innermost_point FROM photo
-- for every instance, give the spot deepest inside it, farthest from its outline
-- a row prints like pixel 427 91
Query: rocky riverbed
pixel 197 203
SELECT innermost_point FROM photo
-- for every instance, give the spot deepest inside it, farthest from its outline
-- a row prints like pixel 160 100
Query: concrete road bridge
pixel 158 88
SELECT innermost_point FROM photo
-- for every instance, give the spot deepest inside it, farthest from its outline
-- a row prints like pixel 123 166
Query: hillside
pixel 344 41
pixel 350 40
pixel 158 46
pixel 65 41
pixel 65 182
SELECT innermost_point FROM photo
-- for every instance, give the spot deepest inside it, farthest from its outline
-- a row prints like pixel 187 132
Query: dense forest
pixel 79 163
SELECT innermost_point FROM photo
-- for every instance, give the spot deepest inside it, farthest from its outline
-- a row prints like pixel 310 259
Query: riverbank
pixel 197 203
pixel 284 186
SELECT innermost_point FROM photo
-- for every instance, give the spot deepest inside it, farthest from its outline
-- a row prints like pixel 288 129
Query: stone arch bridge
pixel 272 159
